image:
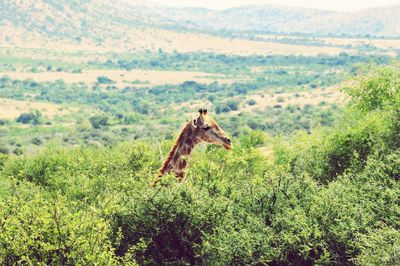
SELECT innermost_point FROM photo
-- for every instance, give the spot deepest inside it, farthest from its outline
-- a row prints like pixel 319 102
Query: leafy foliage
pixel 98 121
pixel 104 80
pixel 32 117
pixel 330 197
pixel 379 89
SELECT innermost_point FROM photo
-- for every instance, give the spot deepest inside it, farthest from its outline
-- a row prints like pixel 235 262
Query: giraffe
pixel 201 129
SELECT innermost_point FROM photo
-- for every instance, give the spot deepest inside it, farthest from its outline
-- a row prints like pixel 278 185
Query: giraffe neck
pixel 181 152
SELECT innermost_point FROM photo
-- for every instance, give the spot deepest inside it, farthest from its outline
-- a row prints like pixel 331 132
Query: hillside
pixel 106 25
pixel 74 22
pixel 277 19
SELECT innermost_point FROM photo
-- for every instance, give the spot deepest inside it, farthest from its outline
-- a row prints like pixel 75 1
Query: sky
pixel 337 5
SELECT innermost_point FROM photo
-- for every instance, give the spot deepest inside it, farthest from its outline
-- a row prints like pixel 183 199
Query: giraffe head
pixel 209 131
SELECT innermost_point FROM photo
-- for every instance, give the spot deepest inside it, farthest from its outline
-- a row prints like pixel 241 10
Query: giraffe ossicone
pixel 201 129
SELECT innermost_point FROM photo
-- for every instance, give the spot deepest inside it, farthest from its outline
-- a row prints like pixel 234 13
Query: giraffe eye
pixel 207 128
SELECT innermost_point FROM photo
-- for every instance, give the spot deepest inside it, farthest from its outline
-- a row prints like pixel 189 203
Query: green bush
pixel 234 208
pixel 4 150
pixel 328 197
pixel 18 151
pixel 342 149
pixel 104 80
pixel 251 102
pixel 98 121
pixel 170 224
pixel 3 159
pixel 378 89
pixel 37 141
pixel 380 247
pixel 38 230
pixel 367 129
pixel 32 117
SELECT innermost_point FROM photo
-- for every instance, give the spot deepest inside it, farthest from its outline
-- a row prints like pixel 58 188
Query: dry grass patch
pixel 11 109
pixel 123 78
pixel 141 39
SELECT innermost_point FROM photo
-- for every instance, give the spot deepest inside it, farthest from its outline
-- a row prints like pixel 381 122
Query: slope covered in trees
pixel 98 23
pixel 330 197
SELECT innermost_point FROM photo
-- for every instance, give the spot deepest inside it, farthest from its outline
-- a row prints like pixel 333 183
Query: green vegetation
pixel 139 110
pixel 221 63
pixel 98 121
pixel 86 121
pixel 104 80
pixel 32 117
pixel 330 197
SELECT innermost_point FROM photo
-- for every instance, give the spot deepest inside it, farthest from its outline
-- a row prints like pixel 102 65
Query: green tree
pixel 31 117
pixel 98 121
pixel 104 80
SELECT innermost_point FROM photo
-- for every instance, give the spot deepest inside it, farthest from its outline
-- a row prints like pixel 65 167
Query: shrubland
pixel 102 113
pixel 248 93
pixel 329 197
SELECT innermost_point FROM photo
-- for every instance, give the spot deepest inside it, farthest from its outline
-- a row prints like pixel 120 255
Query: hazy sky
pixel 341 5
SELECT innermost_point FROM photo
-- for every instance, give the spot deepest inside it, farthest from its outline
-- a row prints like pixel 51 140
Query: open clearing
pixel 123 78
pixel 11 109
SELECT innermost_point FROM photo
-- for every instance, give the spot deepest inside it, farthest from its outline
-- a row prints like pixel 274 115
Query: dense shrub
pixel 251 102
pixel 18 151
pixel 379 89
pixel 368 128
pixel 4 150
pixel 25 118
pixel 231 105
pixel 98 121
pixel 330 197
pixel 3 159
pixel 32 117
pixel 170 223
pixel 37 230
pixel 37 141
pixel 235 208
pixel 104 80
pixel 380 247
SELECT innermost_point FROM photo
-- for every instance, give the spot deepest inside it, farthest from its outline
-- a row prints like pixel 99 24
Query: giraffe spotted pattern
pixel 200 129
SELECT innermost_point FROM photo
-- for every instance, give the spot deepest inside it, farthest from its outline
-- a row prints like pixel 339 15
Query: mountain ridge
pixel 302 20
pixel 95 22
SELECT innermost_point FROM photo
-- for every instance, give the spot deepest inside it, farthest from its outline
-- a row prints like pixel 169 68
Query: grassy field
pixel 121 78
pixel 11 109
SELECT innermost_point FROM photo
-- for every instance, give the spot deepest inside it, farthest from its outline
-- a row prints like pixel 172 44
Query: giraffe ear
pixel 194 123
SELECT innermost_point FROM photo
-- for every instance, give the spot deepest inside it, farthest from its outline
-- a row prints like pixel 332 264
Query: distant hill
pixel 69 20
pixel 140 25
pixel 383 21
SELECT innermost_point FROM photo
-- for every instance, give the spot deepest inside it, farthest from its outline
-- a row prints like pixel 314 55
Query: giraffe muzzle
pixel 227 144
